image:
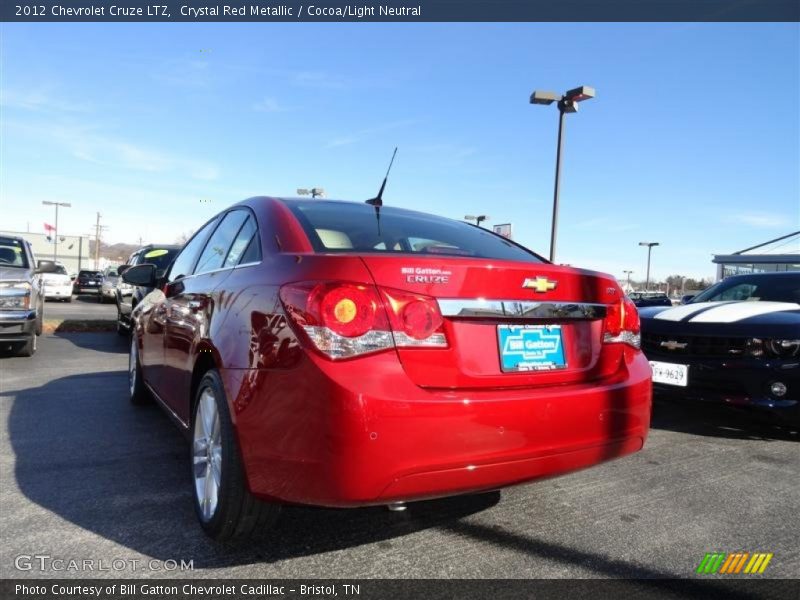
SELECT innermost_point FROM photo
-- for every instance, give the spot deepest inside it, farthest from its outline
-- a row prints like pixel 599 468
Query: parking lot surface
pixel 83 306
pixel 86 476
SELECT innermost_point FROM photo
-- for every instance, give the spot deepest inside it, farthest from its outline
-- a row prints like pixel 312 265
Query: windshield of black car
pixel 355 227
pixel 12 253
pixel 89 274
pixel 763 288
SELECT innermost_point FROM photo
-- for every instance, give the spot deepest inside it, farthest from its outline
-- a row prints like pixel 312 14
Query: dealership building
pixel 71 250
pixel 768 258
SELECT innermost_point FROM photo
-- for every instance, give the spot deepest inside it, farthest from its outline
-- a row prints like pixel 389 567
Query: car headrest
pixel 334 239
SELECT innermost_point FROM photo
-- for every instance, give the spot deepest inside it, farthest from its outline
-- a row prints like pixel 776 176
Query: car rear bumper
pixel 742 383
pixel 17 325
pixel 58 292
pixel 352 434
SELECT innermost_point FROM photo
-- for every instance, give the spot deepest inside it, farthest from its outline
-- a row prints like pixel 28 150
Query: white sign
pixel 503 229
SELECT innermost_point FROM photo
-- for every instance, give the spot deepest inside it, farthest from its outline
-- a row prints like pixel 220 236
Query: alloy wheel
pixel 207 454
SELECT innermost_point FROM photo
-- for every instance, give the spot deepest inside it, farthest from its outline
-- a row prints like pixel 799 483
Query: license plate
pixel 530 347
pixel 670 373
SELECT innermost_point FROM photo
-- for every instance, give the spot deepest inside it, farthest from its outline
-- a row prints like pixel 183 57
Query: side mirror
pixel 687 298
pixel 47 266
pixel 122 268
pixel 143 275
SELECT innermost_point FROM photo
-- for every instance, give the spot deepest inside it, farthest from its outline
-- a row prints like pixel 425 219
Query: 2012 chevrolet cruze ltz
pixel 343 354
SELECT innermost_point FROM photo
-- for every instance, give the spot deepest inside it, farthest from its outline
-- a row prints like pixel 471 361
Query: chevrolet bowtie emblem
pixel 539 284
pixel 673 345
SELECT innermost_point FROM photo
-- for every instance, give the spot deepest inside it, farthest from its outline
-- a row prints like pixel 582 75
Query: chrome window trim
pixel 519 309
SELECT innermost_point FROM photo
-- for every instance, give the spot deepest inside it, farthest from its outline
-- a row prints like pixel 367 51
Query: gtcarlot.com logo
pixel 45 562
pixel 734 563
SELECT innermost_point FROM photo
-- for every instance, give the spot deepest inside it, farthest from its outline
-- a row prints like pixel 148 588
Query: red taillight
pixel 348 319
pixel 621 324
pixel 416 320
pixel 347 310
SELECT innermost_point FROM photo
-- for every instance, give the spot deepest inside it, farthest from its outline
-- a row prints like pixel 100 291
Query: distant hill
pixel 117 253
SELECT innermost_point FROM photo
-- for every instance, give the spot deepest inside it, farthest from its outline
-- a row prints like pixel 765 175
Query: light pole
pixel 478 219
pixel 649 250
pixel 313 192
pixel 628 273
pixel 567 103
pixel 55 235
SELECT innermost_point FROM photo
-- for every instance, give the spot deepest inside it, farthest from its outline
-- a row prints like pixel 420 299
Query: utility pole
pixel 97 231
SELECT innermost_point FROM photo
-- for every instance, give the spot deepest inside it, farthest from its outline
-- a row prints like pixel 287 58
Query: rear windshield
pixel 354 227
pixel 754 288
pixel 12 253
pixel 88 273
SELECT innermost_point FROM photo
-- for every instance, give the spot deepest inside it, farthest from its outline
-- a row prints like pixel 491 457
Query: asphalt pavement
pixel 84 475
pixel 83 307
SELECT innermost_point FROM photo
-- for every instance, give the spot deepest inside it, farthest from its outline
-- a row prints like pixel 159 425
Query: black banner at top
pixel 399 10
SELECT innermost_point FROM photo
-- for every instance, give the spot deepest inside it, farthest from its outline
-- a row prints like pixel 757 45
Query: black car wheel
pixel 223 504
pixel 28 348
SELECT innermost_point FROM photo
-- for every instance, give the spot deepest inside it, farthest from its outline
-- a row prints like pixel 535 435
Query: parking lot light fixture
pixel 55 233
pixel 628 274
pixel 478 219
pixel 649 250
pixel 313 192
pixel 567 103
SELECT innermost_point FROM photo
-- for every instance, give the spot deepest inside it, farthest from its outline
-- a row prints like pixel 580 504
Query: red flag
pixel 48 228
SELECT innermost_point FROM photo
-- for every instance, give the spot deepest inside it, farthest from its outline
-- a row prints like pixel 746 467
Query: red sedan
pixel 337 354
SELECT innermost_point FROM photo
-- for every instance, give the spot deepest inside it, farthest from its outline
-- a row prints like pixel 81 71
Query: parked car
pixel 108 289
pixel 324 353
pixel 21 295
pixel 736 343
pixel 128 296
pixel 643 299
pixel 88 281
pixel 57 285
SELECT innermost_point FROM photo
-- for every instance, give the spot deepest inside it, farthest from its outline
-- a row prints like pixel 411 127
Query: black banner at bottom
pixel 380 589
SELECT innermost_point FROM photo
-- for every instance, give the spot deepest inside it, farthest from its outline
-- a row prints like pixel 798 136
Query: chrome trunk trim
pixel 519 309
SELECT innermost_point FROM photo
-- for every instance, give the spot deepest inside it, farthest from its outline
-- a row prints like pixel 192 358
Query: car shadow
pixel 122 472
pixel 98 339
pixel 715 421
pixel 92 298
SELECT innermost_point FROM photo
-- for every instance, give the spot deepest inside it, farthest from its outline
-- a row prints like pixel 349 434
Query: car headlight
pixel 15 295
pixel 783 348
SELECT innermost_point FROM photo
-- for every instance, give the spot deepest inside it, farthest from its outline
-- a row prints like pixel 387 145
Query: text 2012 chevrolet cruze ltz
pixel 336 354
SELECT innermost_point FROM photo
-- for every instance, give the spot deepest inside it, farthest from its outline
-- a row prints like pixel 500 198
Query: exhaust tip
pixel 396 506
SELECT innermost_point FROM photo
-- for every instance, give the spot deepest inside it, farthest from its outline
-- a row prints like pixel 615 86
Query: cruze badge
pixel 539 284
pixel 673 345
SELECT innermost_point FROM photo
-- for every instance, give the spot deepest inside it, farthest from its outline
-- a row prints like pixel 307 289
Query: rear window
pixel 353 227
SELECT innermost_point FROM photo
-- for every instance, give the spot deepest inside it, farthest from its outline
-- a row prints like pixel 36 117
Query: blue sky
pixel 693 139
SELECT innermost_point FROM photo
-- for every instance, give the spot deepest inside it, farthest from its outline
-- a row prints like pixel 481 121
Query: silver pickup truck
pixel 21 295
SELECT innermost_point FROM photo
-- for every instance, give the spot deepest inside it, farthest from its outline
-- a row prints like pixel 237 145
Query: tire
pixel 225 508
pixel 121 329
pixel 39 321
pixel 28 348
pixel 136 388
pixel 68 299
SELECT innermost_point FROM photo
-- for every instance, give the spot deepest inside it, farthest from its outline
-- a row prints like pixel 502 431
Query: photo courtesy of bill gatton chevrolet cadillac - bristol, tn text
pixel 344 354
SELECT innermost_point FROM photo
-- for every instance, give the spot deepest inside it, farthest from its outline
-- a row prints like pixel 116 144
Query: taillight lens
pixel 344 319
pixel 621 325
pixel 416 320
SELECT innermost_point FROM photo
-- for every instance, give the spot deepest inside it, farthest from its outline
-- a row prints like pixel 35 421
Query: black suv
pixel 87 280
pixel 129 296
